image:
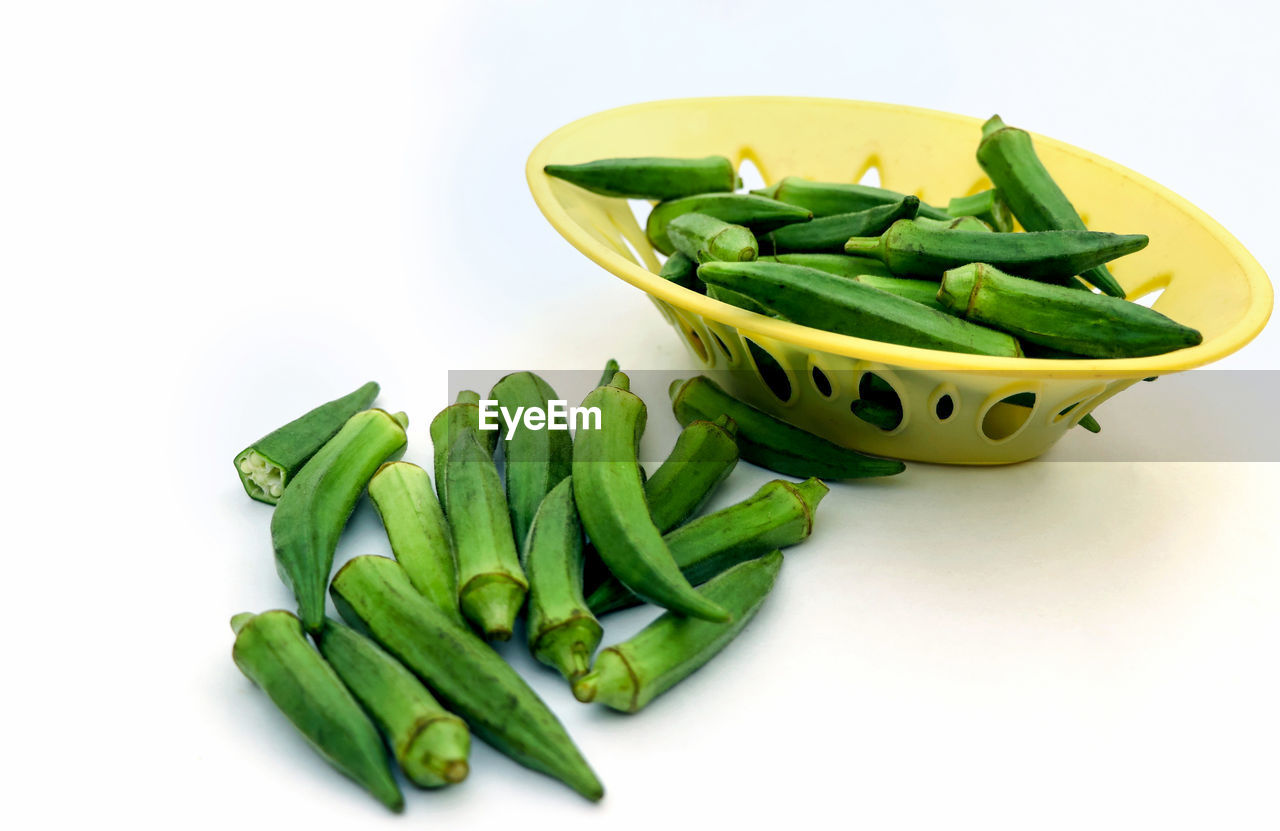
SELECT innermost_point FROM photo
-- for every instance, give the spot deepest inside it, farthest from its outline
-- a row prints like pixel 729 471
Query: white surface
pixel 214 216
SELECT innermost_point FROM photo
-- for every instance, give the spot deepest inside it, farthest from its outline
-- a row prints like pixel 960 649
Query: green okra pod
pixel 416 528
pixel 563 633
pixel 430 743
pixel 757 213
pixel 610 370
pixel 650 177
pixel 913 250
pixel 629 675
pixel 703 238
pixel 682 271
pixel 272 652
pixel 536 460
pixel 842 265
pixel 268 465
pixel 374 595
pixel 828 234
pixel 461 416
pixel 1061 318
pixel 778 515
pixel 770 443
pixel 491 583
pixel 924 292
pixel 610 495
pixel 851 307
pixel 315 507
pixel 1009 158
pixel 829 198
pixel 988 206
pixel 735 298
pixel 960 223
pixel 704 455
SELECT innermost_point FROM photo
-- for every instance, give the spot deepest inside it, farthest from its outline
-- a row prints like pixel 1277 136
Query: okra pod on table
pixel 563 633
pixel 491 583
pixel 704 238
pixel 988 206
pixel 778 515
pixel 913 250
pixel 828 234
pixel 461 416
pixel 315 507
pixel 610 496
pixel 536 460
pixel 374 595
pixel 416 528
pixel 757 213
pixel 273 653
pixel 1009 158
pixel 1074 321
pixel 851 307
pixel 828 198
pixel 650 177
pixel 628 675
pixel 268 465
pixel 704 455
pixel 430 743
pixel 770 442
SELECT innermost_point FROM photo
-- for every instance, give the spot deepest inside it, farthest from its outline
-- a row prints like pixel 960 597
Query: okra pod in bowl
pixel 955 407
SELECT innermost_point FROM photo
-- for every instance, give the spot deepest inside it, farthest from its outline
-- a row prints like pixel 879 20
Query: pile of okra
pixel 873 263
pixel 569 530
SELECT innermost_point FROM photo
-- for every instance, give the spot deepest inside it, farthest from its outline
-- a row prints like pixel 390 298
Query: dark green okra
pixel 629 675
pixel 650 177
pixel 374 595
pixel 988 206
pixel 536 460
pixel 913 250
pixel 430 743
pixel 268 465
pixel 704 455
pixel 1009 158
pixel 771 443
pixel 778 515
pixel 416 528
pixel 491 583
pixel 563 633
pixel 272 652
pixel 315 507
pixel 828 198
pixel 757 213
pixel 829 233
pixel 850 307
pixel 464 415
pixel 610 495
pixel 682 271
pixel 1085 323
pixel 703 238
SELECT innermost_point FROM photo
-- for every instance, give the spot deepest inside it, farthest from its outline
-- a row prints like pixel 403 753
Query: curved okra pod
pixel 704 455
pixel 1061 318
pixel 272 652
pixel 1007 155
pixel 562 631
pixel 461 416
pixel 988 206
pixel 774 444
pixel 315 508
pixel 629 675
pixel 778 515
pixel 430 743
pixel 649 177
pixel 851 307
pixel 757 213
pixel 491 583
pixel 682 271
pixel 419 535
pixel 829 198
pixel 911 249
pixel 268 465
pixel 829 233
pixel 703 238
pixel 374 596
pixel 536 460
pixel 610 495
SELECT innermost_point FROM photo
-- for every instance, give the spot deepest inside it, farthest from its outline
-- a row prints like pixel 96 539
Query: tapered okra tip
pixel 584 689
pixel 238 621
pixel 492 602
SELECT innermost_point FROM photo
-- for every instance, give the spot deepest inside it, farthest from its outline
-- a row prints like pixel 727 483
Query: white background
pixel 213 216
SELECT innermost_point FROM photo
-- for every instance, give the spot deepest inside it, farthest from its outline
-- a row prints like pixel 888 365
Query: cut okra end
pixel 262 478
pixel 239 621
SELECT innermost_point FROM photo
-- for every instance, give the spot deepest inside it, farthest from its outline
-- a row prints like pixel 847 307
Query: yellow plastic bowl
pixel 1210 281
